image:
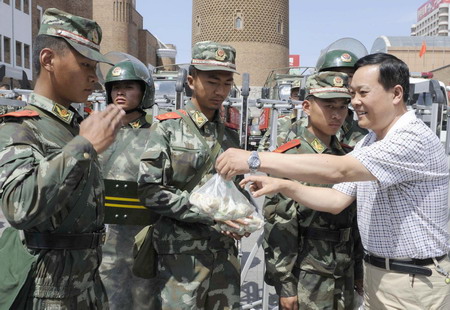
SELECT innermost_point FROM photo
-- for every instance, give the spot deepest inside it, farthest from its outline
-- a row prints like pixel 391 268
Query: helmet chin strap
pixel 138 109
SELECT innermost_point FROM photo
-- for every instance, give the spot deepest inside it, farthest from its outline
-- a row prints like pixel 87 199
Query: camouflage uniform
pixel 309 254
pixel 125 291
pixel 44 167
pixel 334 58
pixel 283 125
pixel 350 132
pixel 120 163
pixel 47 171
pixel 197 265
pixel 320 272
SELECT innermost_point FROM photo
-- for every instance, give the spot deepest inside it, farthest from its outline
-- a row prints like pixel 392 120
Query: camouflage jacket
pixel 286 249
pixel 350 133
pixel 284 122
pixel 130 142
pixel 171 159
pixel 44 168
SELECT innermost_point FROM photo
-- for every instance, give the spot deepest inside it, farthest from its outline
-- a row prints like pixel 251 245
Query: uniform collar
pixel 318 145
pixel 197 116
pixel 59 111
pixel 138 123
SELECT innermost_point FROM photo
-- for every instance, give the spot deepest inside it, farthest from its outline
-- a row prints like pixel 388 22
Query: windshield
pixel 165 88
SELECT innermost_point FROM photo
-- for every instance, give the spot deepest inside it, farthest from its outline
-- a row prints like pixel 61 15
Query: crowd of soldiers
pixel 58 171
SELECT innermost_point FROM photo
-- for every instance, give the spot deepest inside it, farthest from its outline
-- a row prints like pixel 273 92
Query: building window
pixel 1 51
pixel 26 6
pixel 238 20
pixel 18 54
pixel 39 15
pixel 280 25
pixel 198 25
pixel 7 46
pixel 26 56
pixel 18 5
pixel 6 2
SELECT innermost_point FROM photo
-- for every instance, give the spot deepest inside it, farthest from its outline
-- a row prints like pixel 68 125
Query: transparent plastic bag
pixel 222 201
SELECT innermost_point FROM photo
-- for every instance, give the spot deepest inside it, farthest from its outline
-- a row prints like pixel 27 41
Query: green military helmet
pixel 336 59
pixel 132 70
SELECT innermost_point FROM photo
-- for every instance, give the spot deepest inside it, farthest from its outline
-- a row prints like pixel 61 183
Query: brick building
pixel 121 24
pixel 258 29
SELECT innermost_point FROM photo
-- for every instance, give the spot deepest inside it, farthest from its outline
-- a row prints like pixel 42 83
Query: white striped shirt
pixel 404 214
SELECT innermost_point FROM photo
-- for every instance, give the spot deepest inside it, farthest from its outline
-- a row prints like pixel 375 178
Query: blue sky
pixel 313 24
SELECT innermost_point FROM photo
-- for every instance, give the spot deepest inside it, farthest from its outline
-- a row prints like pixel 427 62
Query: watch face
pixel 254 162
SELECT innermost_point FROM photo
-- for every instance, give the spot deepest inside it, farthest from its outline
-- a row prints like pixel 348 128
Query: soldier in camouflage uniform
pixel 343 61
pixel 283 123
pixel 197 264
pixel 129 85
pixel 312 258
pixel 49 172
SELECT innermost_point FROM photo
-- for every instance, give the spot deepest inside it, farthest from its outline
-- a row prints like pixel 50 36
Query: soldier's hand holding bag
pixel 222 201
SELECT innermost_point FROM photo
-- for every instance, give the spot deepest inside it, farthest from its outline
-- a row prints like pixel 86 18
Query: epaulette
pixel 346 146
pixel 170 115
pixel 22 113
pixel 287 146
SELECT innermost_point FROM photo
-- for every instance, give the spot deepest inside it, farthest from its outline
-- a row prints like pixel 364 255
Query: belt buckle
pixel 344 234
pixel 102 238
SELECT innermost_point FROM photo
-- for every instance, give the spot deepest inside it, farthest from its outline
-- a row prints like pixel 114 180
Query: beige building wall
pixel 432 59
pixel 258 29
pixel 442 74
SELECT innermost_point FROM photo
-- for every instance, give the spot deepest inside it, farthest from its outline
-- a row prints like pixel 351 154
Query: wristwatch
pixel 254 162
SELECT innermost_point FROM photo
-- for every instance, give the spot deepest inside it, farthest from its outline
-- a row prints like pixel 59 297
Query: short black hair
pixel 192 71
pixel 59 45
pixel 393 71
pixel 5 86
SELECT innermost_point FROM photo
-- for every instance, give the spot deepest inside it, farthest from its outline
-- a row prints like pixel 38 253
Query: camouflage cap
pixel 328 84
pixel 209 56
pixel 295 84
pixel 83 34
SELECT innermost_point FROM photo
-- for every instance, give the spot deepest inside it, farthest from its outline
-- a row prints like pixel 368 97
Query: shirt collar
pixel 402 122
pixel 138 123
pixel 318 145
pixel 59 111
pixel 197 116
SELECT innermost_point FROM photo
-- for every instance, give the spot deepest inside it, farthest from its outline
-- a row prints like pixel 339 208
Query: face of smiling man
pixel 377 108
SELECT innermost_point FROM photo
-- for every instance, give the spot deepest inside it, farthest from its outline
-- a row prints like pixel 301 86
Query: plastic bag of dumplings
pixel 221 200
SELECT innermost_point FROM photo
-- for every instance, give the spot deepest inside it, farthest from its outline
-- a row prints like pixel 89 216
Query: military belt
pixel 49 241
pixel 411 266
pixel 341 235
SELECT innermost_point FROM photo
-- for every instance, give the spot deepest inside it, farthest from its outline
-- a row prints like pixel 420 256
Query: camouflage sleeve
pixel 156 188
pixel 281 244
pixel 264 143
pixel 358 250
pixel 34 185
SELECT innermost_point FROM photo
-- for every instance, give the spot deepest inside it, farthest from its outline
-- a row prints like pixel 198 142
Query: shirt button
pixel 86 155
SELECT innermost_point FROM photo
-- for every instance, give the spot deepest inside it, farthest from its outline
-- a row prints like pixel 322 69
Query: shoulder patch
pixel 346 146
pixel 23 113
pixel 287 146
pixel 170 115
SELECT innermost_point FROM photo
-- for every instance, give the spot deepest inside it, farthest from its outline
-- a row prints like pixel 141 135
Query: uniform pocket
pixel 185 163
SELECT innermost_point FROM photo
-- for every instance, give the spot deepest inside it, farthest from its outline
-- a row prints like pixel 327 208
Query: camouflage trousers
pixel 201 281
pixel 125 290
pixel 93 298
pixel 317 292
